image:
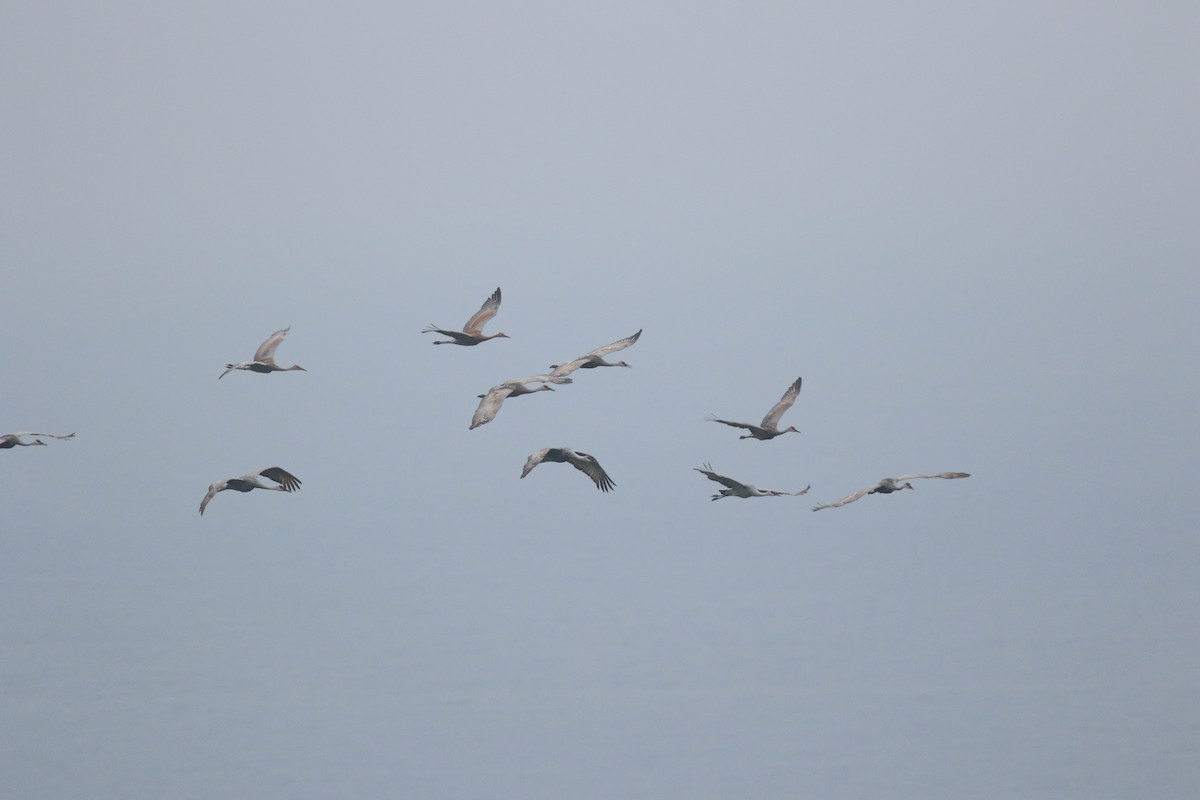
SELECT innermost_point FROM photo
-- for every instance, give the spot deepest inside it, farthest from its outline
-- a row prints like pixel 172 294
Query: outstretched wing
pixel 550 378
pixel 771 420
pixel 745 425
pixel 212 492
pixel 721 479
pixel 850 498
pixel 588 465
pixel 599 352
pixel 489 309
pixel 934 475
pixel 266 350
pixel 613 347
pixel 489 406
pixel 47 435
pixel 569 367
pixel 286 480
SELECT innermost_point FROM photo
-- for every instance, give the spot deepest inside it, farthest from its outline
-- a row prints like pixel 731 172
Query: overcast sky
pixel 972 230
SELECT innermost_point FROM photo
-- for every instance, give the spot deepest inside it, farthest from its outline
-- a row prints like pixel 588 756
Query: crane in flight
pixel 739 489
pixel 264 357
pixel 769 427
pixel 889 485
pixel 489 404
pixel 595 358
pixel 584 462
pixel 284 480
pixel 472 332
pixel 10 440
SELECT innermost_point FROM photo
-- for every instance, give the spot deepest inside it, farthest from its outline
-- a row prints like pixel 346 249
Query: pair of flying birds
pixel 282 480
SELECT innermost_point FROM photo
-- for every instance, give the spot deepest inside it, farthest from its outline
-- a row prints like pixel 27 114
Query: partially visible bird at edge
pixel 10 440
pixel 472 333
pixel 769 427
pixel 264 357
pixel 287 482
pixel 584 462
pixel 889 485
pixel 739 489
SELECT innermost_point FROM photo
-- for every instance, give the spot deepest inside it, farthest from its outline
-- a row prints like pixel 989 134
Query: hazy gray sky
pixel 972 230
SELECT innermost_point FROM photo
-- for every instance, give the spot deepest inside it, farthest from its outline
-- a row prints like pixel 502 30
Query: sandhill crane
pixel 472 332
pixel 769 428
pixel 264 357
pixel 889 485
pixel 596 357
pixel 585 463
pixel 738 489
pixel 489 405
pixel 286 480
pixel 9 440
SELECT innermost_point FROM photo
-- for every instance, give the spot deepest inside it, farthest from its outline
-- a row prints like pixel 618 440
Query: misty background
pixel 971 229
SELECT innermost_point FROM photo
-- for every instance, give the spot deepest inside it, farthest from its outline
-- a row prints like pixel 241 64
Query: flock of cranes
pixel 769 429
pixel 489 406
pixel 491 402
